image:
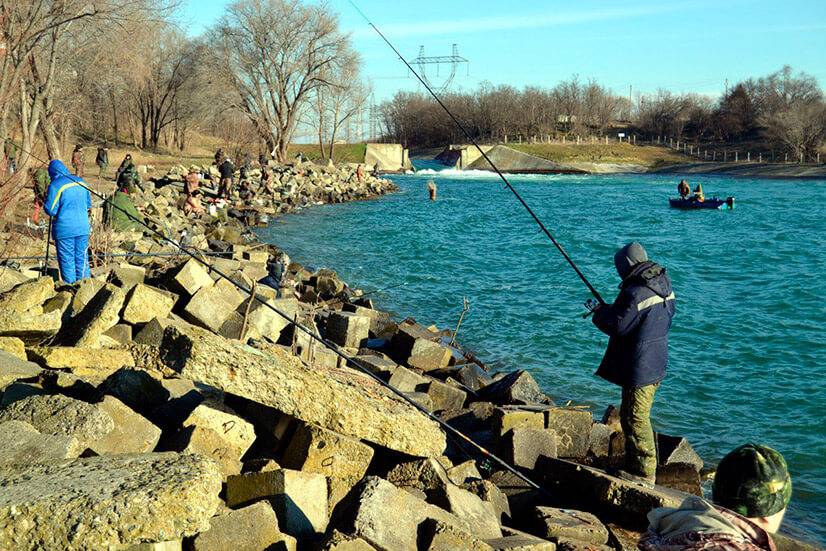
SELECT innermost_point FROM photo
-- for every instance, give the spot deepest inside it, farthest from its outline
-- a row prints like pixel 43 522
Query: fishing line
pixel 328 344
pixel 516 194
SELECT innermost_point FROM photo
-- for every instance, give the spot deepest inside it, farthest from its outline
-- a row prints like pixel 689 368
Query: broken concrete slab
pixel 26 296
pixel 132 433
pixel 99 315
pixel 348 329
pixel 444 396
pixel 489 492
pixel 252 528
pixel 423 474
pixel 439 536
pixel 573 431
pixel 336 399
pixel 31 327
pixel 97 502
pixel 506 419
pixel 568 524
pixel 299 498
pixel 97 363
pixel 523 446
pixel 479 515
pixel 144 303
pixel 337 541
pixel 207 442
pixel 591 490
pixel 192 277
pixel 127 275
pixel 264 322
pixel 382 325
pixel 14 347
pixel 120 334
pixel 13 368
pixel 21 443
pixel 366 515
pixel 235 431
pixel 515 540
pixel 406 380
pixel 675 449
pixel 518 387
pixel 342 459
pixel 211 306
pixel 85 291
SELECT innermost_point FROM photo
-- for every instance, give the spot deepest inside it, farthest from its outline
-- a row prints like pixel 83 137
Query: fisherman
pixel 193 203
pixel 245 190
pixel 246 166
pixel 68 203
pixel 227 170
pixel 262 160
pixel 192 181
pixel 127 176
pixel 77 160
pixel 698 194
pixel 102 160
pixel 683 189
pixel 751 491
pixel 431 189
pixel 10 152
pixel 219 157
pixel 360 173
pixel 266 180
pixel 120 213
pixel 40 183
pixel 637 323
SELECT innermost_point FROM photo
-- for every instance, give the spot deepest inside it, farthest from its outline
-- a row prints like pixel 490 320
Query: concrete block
pixel 523 446
pixel 506 419
pixel 212 306
pixel 83 362
pixel 127 275
pixel 518 387
pixel 145 303
pixel 233 430
pixel 348 329
pixel 21 443
pixel 573 431
pixel 479 515
pixel 131 433
pixel 14 347
pixel 407 380
pixel 100 314
pixel 251 528
pixel 568 524
pixel 445 396
pixel 192 277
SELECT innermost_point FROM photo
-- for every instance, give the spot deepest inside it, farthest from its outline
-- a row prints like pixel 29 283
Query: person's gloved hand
pixel 592 305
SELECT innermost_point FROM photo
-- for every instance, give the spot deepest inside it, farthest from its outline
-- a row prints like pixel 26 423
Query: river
pixel 748 349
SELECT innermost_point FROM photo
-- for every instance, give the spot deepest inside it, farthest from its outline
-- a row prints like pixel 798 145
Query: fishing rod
pixel 516 194
pixel 348 360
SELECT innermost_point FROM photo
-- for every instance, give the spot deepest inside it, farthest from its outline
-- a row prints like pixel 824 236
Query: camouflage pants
pixel 635 417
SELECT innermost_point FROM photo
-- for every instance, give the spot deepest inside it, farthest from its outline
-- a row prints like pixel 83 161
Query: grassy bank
pixel 343 153
pixel 614 153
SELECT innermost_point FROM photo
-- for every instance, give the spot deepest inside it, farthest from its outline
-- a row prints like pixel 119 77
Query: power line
pixel 516 194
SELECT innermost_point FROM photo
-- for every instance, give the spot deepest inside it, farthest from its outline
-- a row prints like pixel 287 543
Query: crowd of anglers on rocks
pixel 752 486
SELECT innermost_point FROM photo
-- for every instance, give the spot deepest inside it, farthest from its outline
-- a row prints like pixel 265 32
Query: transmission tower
pixel 452 61
pixel 374 118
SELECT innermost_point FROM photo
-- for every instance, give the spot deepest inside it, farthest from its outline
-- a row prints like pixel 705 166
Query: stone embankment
pixel 155 406
pixel 749 170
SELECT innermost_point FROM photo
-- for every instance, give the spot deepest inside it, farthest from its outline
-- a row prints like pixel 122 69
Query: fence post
pixel 760 158
pixel 736 156
pixel 787 158
pixel 801 158
pixel 748 157
pixel 563 139
pixel 577 139
pixel 818 158
pixel 725 155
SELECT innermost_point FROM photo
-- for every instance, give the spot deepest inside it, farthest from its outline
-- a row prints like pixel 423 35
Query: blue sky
pixel 681 46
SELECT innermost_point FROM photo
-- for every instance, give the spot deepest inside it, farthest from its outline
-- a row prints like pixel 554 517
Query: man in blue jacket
pixel 637 324
pixel 68 203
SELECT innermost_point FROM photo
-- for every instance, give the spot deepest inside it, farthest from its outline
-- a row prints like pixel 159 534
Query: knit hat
pixel 753 481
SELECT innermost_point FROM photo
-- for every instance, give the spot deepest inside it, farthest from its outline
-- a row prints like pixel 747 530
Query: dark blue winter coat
pixel 67 202
pixel 637 324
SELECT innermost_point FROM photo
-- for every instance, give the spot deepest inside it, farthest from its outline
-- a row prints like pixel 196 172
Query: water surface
pixel 747 347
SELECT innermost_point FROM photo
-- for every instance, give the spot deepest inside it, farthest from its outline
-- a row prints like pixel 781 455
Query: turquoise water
pixel 748 349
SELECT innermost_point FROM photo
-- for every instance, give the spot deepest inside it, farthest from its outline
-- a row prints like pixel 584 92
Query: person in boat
pixel 637 324
pixel 683 189
pixel 698 193
pixel 751 492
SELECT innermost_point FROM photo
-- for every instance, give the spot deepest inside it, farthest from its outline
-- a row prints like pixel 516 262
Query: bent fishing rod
pixel 470 138
pixel 348 360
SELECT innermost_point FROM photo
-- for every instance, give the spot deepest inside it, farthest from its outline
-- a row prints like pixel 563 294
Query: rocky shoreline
pixel 156 406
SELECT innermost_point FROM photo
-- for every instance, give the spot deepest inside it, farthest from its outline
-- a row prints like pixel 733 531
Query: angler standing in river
pixel 637 323
pixel 431 190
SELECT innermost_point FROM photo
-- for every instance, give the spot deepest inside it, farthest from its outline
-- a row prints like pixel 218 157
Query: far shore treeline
pixel 784 112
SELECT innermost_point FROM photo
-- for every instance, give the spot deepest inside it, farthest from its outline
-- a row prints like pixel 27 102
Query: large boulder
pixel 98 502
pixel 336 399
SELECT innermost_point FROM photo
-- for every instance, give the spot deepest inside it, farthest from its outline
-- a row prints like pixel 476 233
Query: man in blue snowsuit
pixel 68 203
pixel 637 323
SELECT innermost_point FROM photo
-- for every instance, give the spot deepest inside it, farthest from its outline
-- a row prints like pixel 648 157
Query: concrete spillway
pixel 506 159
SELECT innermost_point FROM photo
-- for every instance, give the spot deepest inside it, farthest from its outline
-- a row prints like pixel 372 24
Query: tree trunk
pixel 50 137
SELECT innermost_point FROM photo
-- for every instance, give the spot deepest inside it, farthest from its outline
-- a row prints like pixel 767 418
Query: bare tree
pixel 338 102
pixel 275 54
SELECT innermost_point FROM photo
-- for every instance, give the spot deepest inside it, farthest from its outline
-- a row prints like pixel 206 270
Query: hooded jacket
pixel 637 322
pixel 699 525
pixel 67 202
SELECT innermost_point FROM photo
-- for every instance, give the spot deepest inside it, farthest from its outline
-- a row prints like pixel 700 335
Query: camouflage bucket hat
pixel 753 481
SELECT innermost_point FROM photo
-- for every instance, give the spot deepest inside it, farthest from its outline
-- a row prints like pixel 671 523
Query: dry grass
pixel 619 153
